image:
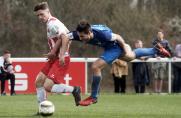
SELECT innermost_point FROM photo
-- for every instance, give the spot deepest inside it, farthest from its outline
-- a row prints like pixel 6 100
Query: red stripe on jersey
pixel 52 41
pixel 49 44
pixel 55 39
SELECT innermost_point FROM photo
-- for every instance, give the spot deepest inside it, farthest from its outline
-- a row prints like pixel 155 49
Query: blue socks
pixel 95 86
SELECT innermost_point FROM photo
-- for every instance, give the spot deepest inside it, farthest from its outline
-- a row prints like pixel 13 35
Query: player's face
pixel 43 15
pixel 6 56
pixel 84 37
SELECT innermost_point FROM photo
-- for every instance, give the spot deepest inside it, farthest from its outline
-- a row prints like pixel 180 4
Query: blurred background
pixel 24 36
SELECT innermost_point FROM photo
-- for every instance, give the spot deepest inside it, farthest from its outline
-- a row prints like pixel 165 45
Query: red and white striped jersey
pixel 54 29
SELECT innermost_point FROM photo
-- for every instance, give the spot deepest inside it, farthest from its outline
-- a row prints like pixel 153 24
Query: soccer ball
pixel 46 108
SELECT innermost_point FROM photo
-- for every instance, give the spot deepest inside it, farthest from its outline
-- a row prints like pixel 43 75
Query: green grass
pixel 108 106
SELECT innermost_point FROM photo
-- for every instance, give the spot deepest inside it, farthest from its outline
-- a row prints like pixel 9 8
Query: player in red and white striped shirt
pixel 50 78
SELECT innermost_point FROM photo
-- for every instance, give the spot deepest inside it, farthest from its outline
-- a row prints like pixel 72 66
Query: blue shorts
pixel 140 52
pixel 112 53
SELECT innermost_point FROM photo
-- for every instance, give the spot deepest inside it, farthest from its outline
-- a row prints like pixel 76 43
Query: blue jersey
pixel 102 36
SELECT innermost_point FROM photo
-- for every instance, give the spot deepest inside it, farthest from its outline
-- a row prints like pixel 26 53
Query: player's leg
pixel 40 79
pixel 39 83
pixel 50 86
pixel 141 52
pixel 56 78
pixel 137 53
pixel 97 66
pixel 129 55
pixel 107 57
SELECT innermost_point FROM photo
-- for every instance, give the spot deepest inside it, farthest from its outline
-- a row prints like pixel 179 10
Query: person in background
pixel 119 71
pixel 160 68
pixel 140 72
pixel 7 73
pixel 177 70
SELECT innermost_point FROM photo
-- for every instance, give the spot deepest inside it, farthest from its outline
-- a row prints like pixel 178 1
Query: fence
pixel 82 64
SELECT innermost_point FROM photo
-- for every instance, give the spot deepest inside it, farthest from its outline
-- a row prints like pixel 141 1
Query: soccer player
pixel 114 48
pixel 51 76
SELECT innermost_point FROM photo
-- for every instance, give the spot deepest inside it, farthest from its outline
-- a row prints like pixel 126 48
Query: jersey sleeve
pixel 113 37
pixel 73 36
pixel 56 28
pixel 107 35
pixel 103 32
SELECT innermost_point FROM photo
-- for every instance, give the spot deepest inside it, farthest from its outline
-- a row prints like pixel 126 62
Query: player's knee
pixel 48 88
pixel 48 85
pixel 40 79
pixel 38 83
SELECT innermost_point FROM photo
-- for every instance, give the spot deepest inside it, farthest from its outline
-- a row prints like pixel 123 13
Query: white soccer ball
pixel 46 108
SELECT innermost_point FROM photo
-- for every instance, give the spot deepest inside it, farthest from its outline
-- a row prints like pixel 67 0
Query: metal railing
pixel 87 60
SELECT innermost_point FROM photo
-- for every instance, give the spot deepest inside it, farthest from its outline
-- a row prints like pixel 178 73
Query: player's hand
pixel 50 55
pixel 62 60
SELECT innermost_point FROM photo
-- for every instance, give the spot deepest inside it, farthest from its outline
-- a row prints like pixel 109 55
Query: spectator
pixel 140 72
pixel 177 70
pixel 6 72
pixel 178 50
pixel 119 71
pixel 159 73
pixel 160 68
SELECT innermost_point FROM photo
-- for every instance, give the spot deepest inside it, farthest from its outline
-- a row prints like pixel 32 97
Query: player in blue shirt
pixel 114 47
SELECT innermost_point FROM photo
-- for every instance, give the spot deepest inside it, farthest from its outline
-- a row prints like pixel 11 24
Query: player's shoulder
pixel 101 28
pixel 102 31
pixel 70 35
pixel 54 21
pixel 73 35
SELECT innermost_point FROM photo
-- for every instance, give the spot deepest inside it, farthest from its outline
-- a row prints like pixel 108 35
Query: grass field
pixel 108 106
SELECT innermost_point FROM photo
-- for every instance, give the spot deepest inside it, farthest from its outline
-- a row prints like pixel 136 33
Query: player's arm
pixel 66 40
pixel 64 47
pixel 52 53
pixel 121 42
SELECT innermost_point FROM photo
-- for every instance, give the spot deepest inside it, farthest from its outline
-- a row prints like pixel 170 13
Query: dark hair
pixel 83 26
pixel 41 6
pixel 6 52
pixel 161 30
